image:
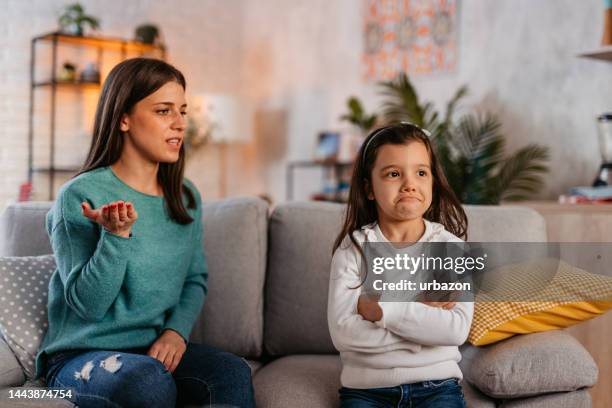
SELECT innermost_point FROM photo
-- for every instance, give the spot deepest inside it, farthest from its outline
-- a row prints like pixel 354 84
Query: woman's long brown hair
pixel 128 83
pixel 445 208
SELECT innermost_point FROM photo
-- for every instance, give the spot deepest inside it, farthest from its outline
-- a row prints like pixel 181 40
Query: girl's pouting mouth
pixel 409 199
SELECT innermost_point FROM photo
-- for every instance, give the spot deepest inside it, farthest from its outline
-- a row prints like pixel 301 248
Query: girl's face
pixel 401 181
pixel 156 126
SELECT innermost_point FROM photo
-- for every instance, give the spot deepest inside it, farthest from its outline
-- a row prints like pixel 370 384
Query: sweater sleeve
pixel 91 261
pixel 427 325
pixel 348 330
pixel 182 317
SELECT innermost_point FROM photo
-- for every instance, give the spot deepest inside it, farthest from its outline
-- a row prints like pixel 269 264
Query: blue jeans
pixel 430 394
pixel 205 376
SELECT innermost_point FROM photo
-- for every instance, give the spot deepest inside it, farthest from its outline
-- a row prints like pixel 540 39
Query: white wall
pixel 297 61
pixel 204 41
pixel 518 58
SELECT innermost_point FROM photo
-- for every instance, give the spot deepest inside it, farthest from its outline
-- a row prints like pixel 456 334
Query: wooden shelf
pixel 103 42
pixel 604 53
pixel 126 48
pixel 75 84
pixel 337 168
pixel 315 163
pixel 55 169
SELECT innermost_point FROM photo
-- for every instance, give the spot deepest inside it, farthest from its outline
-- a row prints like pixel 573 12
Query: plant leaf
pixel 452 104
pixel 401 101
pixel 522 173
pixel 357 115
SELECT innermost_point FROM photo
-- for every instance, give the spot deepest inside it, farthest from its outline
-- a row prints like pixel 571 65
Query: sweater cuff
pixel 106 232
pixel 390 311
pixel 179 325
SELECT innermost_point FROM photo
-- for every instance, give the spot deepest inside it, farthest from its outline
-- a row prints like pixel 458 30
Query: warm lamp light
pixel 225 120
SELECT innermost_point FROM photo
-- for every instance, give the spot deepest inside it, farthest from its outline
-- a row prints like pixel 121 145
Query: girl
pixel 131 275
pixel 396 354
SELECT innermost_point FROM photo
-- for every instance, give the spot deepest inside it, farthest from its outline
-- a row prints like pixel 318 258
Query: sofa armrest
pixel 11 373
pixel 22 229
pixel 530 364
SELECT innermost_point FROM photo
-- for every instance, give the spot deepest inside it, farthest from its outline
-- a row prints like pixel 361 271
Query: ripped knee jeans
pixel 112 379
pixel 206 376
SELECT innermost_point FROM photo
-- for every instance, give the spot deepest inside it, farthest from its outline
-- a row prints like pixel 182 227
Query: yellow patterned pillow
pixel 572 296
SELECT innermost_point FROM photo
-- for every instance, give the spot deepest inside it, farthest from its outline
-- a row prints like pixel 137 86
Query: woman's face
pixel 156 126
pixel 402 181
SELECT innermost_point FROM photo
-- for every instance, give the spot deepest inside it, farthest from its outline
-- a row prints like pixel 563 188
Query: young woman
pixel 393 353
pixel 131 275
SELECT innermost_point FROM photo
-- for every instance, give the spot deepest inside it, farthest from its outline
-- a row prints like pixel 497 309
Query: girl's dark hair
pixel 128 83
pixel 445 208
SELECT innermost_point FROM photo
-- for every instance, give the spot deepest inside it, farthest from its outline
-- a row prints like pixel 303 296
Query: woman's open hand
pixel 116 217
pixel 169 349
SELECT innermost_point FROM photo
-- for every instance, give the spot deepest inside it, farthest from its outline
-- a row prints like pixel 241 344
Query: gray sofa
pixel 268 296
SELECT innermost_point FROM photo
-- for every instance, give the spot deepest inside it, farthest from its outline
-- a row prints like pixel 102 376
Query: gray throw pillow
pixel 24 285
pixel 528 365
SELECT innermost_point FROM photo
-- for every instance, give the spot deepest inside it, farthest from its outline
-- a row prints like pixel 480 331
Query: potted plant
pixel 470 149
pixel 358 117
pixel 147 33
pixel 74 19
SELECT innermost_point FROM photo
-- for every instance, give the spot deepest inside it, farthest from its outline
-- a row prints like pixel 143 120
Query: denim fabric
pixel 205 376
pixel 427 394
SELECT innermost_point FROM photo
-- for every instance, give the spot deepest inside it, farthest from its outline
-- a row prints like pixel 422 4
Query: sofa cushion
pixel 475 398
pixel 512 223
pixel 24 284
pixel 11 373
pixel 307 381
pixel 235 245
pixel 301 239
pixel 254 365
pixel 314 380
pixel 573 399
pixel 22 229
pixel 528 365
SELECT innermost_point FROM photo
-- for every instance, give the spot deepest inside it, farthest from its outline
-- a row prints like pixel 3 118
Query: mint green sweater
pixel 110 292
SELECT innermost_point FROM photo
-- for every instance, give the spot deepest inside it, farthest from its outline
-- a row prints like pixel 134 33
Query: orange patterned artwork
pixel 412 36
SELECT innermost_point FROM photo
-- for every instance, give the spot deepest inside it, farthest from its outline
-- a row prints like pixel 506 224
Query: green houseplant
pixel 74 19
pixel 471 149
pixel 147 33
pixel 358 117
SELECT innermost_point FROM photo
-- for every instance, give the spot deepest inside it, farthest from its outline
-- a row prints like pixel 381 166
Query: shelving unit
pixel 53 84
pixel 335 171
pixel 604 53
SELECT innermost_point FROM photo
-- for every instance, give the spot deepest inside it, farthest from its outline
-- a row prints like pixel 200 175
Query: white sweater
pixel 413 342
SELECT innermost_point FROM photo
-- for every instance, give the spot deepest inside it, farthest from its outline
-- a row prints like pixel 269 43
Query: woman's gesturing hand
pixel 169 349
pixel 116 217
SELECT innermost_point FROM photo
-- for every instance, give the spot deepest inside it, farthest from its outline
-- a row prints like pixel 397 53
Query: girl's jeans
pixel 205 376
pixel 431 394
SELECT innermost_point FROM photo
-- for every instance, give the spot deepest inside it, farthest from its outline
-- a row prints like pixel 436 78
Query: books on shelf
pixel 587 195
